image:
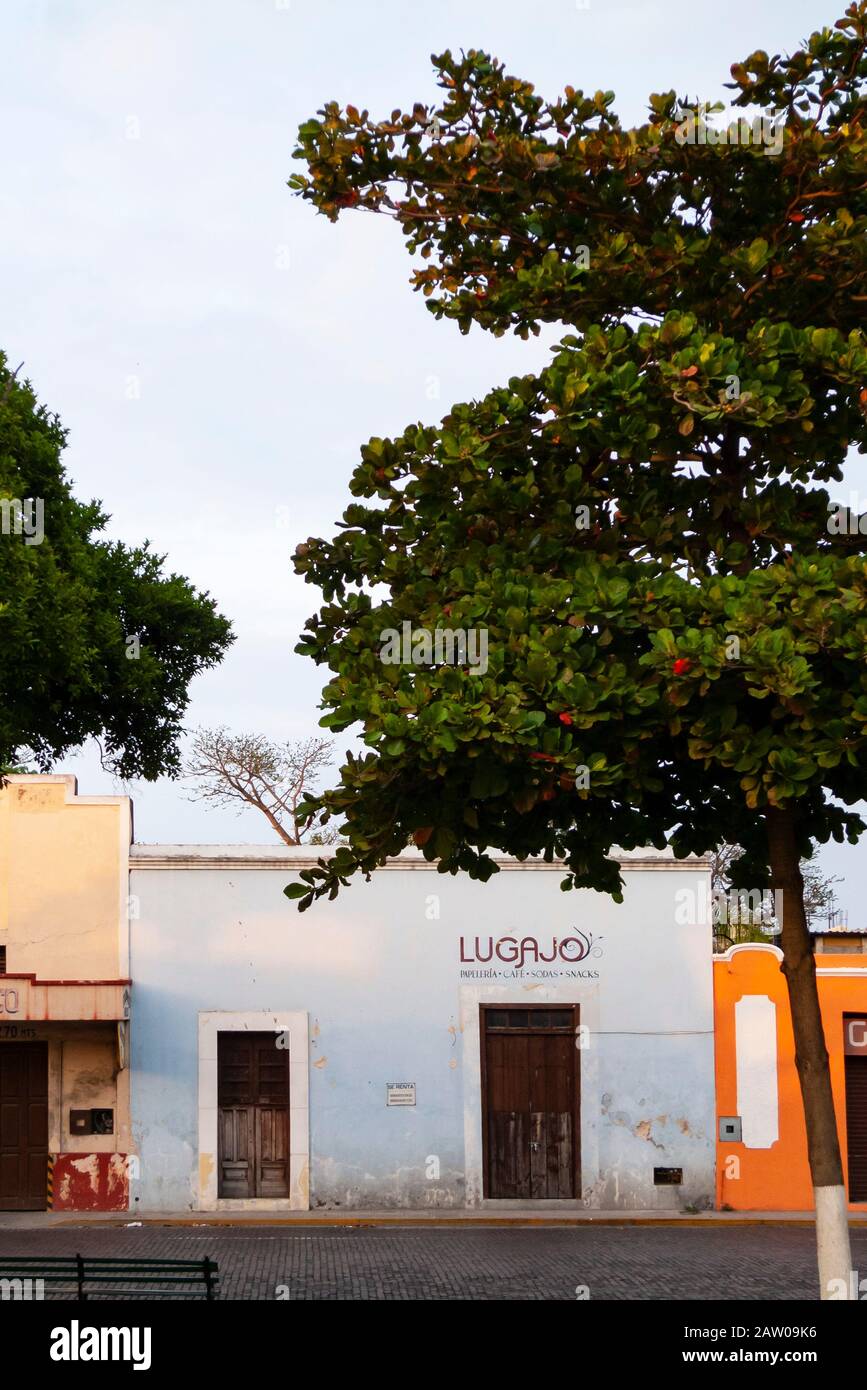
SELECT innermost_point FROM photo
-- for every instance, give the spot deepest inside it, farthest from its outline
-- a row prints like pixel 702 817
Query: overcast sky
pixel 218 352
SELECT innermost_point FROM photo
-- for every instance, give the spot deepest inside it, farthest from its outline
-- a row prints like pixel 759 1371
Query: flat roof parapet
pixel 305 856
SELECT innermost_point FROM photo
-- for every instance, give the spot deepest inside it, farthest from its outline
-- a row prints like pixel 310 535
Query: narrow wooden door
pixel 530 1084
pixel 23 1126
pixel 253 1115
pixel 856 1126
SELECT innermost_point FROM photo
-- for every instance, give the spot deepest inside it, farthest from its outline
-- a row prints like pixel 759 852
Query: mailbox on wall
pixel 91 1122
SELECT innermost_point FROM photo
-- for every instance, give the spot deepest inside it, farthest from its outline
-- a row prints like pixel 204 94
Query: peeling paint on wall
pixel 206 1170
pixel 644 1130
pixel 91 1182
pixel 303 1189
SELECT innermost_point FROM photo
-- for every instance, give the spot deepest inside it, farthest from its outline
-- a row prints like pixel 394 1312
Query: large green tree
pixel 96 640
pixel 642 527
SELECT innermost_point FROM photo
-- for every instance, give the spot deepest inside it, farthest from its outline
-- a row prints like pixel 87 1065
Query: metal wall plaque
pixel 400 1093
pixel 730 1128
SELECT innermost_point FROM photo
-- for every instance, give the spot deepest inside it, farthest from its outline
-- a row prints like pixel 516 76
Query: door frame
pixel 550 1006
pixel 206 1177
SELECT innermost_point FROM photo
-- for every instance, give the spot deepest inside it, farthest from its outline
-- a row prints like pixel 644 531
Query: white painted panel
pixel 756 1052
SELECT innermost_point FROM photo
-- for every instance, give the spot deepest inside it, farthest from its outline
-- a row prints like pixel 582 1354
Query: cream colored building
pixel 64 996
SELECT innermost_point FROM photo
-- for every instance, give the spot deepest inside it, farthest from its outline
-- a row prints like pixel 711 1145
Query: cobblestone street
pixel 752 1262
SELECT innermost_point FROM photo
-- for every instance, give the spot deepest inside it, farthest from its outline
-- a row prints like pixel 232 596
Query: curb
pixel 454 1223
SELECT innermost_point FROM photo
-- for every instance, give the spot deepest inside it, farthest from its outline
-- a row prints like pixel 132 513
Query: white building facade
pixel 424 1041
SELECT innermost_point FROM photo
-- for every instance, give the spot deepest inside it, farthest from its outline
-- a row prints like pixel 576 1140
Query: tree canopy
pixel 96 639
pixel 641 527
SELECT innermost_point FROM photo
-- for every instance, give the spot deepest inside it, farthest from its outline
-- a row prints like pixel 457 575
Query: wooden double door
pixel 530 1102
pixel 253 1115
pixel 23 1126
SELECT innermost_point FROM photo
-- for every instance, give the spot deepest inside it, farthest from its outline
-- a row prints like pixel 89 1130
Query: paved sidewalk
pixel 541 1215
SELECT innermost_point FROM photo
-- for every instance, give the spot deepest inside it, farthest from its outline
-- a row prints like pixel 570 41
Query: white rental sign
pixel 400 1093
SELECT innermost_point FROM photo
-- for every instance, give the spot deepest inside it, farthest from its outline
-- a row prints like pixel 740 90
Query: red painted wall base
pixel 91 1182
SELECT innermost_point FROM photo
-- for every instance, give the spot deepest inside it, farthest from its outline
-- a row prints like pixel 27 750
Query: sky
pixel 216 350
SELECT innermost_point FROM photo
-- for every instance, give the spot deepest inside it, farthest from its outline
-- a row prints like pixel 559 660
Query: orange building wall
pixel 778 1178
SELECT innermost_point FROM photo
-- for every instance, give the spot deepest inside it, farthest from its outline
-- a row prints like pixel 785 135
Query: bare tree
pixel 820 900
pixel 742 920
pixel 252 770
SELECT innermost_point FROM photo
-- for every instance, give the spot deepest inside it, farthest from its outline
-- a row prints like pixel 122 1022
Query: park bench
pixel 28 1277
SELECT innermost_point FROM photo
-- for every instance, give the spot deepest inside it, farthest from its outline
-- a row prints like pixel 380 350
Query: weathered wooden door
pixel 530 1101
pixel 23 1126
pixel 253 1115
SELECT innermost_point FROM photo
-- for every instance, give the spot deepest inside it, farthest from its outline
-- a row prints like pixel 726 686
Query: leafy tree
pixel 641 527
pixel 95 639
pixel 252 770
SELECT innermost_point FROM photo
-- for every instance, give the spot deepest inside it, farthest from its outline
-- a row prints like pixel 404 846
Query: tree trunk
pixel 811 1060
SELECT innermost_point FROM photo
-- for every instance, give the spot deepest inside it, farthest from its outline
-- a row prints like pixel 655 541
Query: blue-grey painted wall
pixel 379 974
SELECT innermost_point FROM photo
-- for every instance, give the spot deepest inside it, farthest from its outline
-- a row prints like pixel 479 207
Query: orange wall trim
pixel 775 1177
